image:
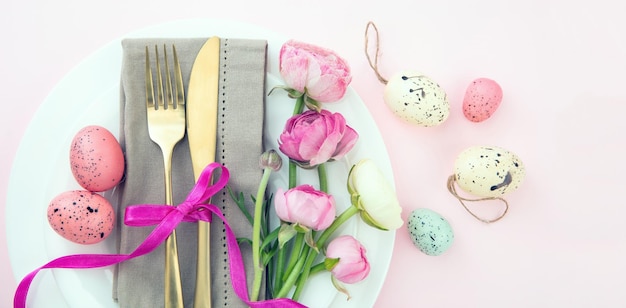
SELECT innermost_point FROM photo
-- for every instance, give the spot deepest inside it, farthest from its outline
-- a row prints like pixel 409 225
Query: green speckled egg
pixel 430 232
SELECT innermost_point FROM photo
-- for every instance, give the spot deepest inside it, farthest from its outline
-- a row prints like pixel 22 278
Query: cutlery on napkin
pixel 139 282
pixel 201 105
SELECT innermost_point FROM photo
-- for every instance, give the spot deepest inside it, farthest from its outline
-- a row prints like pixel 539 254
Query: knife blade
pixel 202 100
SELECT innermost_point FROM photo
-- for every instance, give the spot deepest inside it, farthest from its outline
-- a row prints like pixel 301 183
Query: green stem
pixel 320 267
pixel 256 235
pixel 282 253
pixel 295 253
pixel 321 173
pixel 293 276
pixel 347 214
pixel 293 168
pixel 305 274
pixel 280 268
pixel 299 107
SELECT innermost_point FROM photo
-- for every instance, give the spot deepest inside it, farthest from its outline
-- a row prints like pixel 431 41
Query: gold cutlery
pixel 202 100
pixel 166 126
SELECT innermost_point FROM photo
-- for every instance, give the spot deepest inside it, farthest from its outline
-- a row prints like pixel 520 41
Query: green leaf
pixel 301 229
pixel 241 240
pixel 270 238
pixel 265 219
pixel 355 199
pixel 308 239
pixel 286 233
pixel 370 221
pixel 241 204
pixel 339 286
pixel 266 257
pixel 312 104
pixel 330 263
pixel 293 93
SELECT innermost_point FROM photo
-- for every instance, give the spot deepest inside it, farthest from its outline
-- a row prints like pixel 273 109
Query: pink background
pixel 560 63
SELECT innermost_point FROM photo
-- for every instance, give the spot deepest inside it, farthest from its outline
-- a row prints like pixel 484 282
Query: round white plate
pixel 88 95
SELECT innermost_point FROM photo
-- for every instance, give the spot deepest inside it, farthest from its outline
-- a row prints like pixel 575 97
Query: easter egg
pixel 96 159
pixel 488 171
pixel 417 99
pixel 430 232
pixel 81 216
pixel 482 97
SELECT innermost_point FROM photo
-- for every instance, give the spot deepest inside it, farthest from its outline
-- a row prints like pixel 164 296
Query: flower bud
pixel 305 206
pixel 346 260
pixel 270 159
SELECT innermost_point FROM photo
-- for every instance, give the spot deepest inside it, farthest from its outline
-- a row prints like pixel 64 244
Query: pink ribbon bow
pixel 167 218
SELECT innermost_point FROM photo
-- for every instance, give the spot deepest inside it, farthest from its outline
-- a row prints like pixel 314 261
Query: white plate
pixel 89 95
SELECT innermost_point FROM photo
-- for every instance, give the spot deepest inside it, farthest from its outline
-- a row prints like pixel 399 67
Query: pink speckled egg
pixel 81 216
pixel 482 97
pixel 96 159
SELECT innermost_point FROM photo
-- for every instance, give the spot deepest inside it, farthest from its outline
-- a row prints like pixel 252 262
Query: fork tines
pixel 168 96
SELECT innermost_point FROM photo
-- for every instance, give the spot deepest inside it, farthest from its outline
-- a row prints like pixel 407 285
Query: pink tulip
pixel 353 265
pixel 313 138
pixel 319 72
pixel 306 206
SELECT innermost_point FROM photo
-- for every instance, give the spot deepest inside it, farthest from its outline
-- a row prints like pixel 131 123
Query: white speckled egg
pixel 482 97
pixel 81 216
pixel 96 159
pixel 488 171
pixel 417 99
pixel 430 232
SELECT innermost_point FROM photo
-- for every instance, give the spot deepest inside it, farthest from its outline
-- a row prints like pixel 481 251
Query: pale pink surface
pixel 560 63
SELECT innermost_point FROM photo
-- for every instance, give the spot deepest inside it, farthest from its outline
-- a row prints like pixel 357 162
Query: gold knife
pixel 201 107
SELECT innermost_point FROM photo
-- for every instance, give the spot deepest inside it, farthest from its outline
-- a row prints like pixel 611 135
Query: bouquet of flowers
pixel 305 241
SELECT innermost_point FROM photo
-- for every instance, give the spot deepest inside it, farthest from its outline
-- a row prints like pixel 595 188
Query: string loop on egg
pixel 373 65
pixel 452 190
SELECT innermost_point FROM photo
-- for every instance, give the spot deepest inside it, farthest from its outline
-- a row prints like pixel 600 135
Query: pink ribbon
pixel 167 218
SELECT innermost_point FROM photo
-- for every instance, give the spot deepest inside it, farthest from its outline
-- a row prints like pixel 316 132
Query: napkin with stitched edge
pixel 140 282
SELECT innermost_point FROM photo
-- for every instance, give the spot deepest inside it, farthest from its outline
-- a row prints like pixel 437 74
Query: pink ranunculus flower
pixel 318 72
pixel 306 206
pixel 313 138
pixel 353 265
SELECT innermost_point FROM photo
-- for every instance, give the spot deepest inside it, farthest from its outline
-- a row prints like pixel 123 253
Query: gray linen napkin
pixel 139 282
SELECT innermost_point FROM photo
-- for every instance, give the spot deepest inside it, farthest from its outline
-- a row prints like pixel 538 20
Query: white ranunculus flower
pixel 372 194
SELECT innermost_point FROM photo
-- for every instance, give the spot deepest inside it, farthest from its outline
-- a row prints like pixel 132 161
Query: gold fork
pixel 166 126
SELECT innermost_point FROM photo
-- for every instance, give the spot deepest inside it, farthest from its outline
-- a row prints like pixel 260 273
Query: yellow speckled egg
pixel 488 171
pixel 417 99
pixel 96 159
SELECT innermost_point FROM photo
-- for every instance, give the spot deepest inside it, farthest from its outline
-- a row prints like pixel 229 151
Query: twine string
pixel 374 64
pixel 452 190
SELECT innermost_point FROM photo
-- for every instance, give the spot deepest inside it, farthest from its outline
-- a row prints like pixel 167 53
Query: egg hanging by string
pixel 411 95
pixel 488 172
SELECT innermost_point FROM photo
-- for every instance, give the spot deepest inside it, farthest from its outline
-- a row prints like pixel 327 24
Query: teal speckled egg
pixel 430 232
